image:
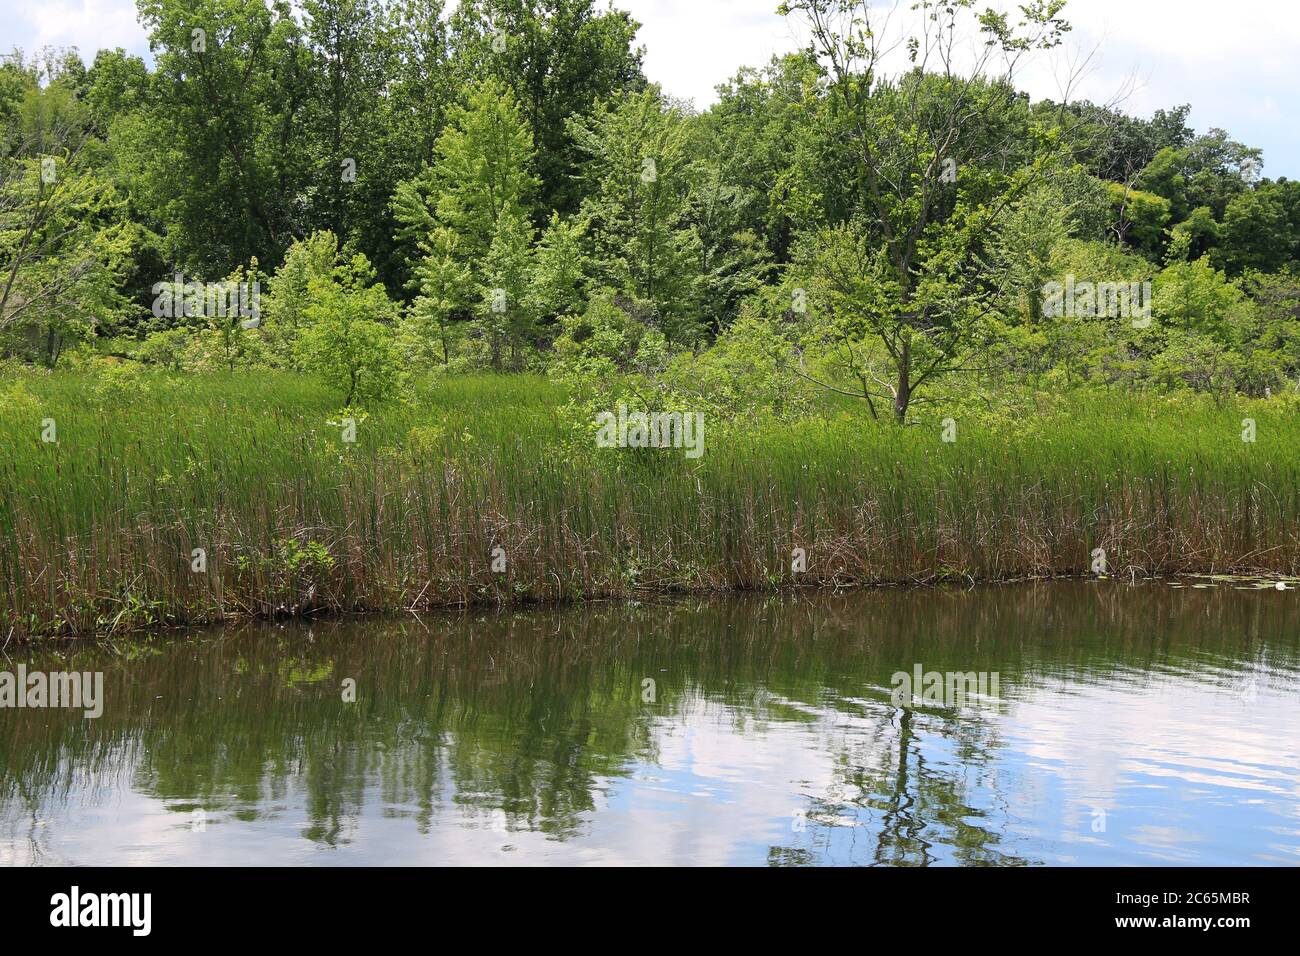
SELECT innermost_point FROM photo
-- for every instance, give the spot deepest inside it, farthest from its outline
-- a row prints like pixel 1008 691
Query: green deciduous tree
pixel 63 248
pixel 937 157
pixel 284 317
pixel 559 57
pixel 483 172
pixel 506 323
pixel 446 286
pixel 349 339
pixel 638 177
pixel 218 152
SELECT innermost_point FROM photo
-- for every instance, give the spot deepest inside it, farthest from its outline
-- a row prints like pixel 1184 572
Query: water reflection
pixel 1137 724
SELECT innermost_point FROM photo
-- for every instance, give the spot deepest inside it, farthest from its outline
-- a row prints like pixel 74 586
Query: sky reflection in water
pixel 1137 725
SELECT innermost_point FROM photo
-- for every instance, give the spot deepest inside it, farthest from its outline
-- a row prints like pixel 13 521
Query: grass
pixel 98 530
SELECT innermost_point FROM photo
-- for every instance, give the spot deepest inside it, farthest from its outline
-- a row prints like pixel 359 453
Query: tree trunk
pixel 903 393
pixel 51 347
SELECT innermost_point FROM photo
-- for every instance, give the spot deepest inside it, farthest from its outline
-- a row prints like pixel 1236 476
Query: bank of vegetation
pixel 480 489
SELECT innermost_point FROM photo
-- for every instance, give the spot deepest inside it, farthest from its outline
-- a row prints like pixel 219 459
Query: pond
pixel 1118 724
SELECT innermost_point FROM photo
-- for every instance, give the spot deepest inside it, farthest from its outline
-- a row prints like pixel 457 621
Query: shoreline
pixel 1263 580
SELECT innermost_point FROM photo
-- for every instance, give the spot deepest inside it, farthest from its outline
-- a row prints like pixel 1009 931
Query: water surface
pixel 1135 724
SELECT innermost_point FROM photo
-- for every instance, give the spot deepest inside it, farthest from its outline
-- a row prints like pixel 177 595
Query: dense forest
pixel 497 186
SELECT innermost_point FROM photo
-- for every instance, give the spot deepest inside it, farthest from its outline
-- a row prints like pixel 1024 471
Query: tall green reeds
pixel 103 529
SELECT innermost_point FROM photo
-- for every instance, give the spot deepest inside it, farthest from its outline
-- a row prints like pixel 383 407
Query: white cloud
pixel 693 45
pixel 89 25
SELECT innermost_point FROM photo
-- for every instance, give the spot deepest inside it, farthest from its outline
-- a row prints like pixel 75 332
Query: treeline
pixel 498 186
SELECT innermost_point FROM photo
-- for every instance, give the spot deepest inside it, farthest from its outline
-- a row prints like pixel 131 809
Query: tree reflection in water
pixel 501 725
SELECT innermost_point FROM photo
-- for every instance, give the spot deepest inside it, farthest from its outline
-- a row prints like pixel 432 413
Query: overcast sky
pixel 1237 63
